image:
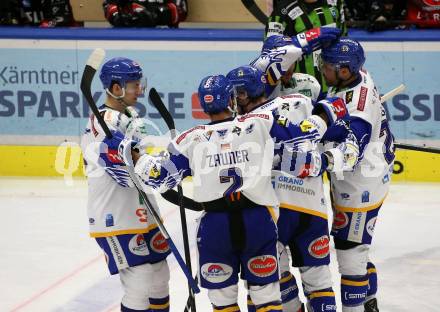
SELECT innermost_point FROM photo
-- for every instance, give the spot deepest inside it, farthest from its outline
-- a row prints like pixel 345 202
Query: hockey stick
pixel 92 65
pixel 419 148
pixel 253 8
pixel 163 111
pixel 405 146
pixel 392 93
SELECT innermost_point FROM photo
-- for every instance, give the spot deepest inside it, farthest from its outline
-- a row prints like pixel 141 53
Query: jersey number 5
pixel 233 173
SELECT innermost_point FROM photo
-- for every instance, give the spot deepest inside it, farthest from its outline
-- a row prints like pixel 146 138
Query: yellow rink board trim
pixel 67 160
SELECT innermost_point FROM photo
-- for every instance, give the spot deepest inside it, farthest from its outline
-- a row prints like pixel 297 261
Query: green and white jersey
pixel 293 17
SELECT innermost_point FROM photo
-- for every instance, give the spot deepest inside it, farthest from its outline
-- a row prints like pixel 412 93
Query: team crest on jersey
pixel 348 96
pixel 236 130
pixel 262 266
pixel 216 272
pixel 320 247
pixel 138 246
pixel 306 126
pixel 249 129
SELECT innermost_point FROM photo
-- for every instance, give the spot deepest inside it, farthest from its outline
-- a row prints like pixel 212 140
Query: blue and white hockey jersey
pixel 365 188
pixel 113 205
pixel 234 155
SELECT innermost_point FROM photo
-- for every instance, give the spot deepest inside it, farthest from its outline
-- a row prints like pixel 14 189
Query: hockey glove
pixel 316 38
pixel 308 164
pixel 118 150
pixel 343 157
pixel 333 107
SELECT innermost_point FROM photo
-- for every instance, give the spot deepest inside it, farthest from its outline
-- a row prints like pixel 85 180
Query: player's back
pixel 231 156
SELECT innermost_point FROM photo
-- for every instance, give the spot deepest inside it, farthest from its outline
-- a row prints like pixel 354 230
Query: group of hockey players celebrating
pixel 257 171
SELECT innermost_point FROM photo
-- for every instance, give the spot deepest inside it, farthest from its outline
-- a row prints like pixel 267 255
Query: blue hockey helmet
pixel 119 70
pixel 249 79
pixel 344 52
pixel 215 93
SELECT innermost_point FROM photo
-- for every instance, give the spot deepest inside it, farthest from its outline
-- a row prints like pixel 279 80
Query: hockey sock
pixel 289 292
pixel 372 280
pixel 229 308
pixel 160 304
pixel 274 306
pixel 321 300
pixel 354 291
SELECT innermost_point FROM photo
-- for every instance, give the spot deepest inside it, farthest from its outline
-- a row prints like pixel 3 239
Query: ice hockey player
pixel 279 53
pixel 230 161
pixel 130 240
pixel 303 221
pixel 358 194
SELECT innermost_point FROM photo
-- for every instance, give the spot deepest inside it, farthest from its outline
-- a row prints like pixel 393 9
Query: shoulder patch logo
pixel 236 130
pixel 348 96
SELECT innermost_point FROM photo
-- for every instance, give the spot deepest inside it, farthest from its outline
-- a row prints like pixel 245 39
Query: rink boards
pixel 41 105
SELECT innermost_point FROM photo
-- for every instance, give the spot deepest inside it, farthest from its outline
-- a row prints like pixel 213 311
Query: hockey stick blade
pixel 392 93
pixel 417 148
pixel 156 100
pixel 92 65
pixel 253 8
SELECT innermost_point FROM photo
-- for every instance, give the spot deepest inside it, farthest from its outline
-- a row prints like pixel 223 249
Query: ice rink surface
pixel 49 263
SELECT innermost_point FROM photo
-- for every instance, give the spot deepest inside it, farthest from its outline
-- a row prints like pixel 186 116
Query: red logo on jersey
pixel 113 156
pixel 340 220
pixel 362 98
pixel 197 110
pixel 339 108
pixel 183 135
pixel 158 243
pixel 142 214
pixel 262 266
pixel 305 171
pixel 320 247
pixel 243 118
